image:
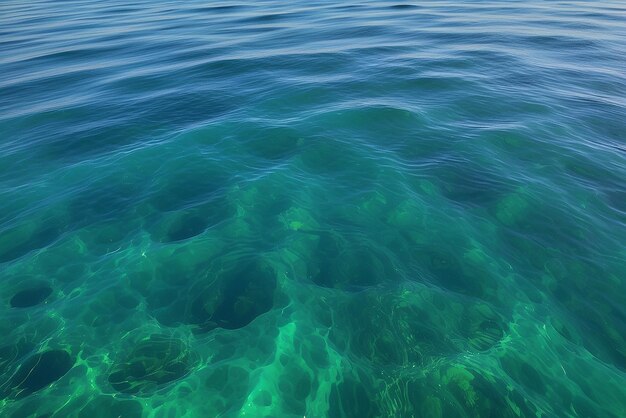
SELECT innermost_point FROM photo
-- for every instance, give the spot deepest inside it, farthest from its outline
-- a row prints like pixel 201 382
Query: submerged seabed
pixel 330 209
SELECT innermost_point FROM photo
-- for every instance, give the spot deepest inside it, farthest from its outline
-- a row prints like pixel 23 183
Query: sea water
pixel 312 208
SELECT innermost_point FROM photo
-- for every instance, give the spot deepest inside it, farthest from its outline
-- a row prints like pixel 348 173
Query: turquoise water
pixel 320 209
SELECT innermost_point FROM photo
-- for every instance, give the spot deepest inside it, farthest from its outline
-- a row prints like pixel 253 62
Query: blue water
pixel 320 209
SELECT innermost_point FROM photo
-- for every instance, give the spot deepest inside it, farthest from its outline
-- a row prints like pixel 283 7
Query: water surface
pixel 312 208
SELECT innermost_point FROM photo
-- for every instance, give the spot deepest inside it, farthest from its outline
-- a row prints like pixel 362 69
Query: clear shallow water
pixel 372 209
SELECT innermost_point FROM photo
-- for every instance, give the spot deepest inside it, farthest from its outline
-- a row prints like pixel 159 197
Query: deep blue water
pixel 312 208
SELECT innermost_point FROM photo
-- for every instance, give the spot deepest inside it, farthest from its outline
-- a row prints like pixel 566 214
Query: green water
pixel 312 209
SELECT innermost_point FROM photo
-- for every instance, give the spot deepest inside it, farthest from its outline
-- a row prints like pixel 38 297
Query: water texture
pixel 312 208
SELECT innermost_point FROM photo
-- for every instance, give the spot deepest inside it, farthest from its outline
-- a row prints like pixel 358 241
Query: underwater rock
pixel 393 331
pixel 246 292
pixel 151 365
pixel 487 335
pixel 484 328
pixel 181 225
pixel 184 228
pixel 524 374
pixel 446 269
pixel 512 209
pixel 346 266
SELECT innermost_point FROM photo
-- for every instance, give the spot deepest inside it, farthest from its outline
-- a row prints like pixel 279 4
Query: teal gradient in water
pixel 320 209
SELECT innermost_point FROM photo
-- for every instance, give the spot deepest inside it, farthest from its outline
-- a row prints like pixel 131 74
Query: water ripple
pixel 376 208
